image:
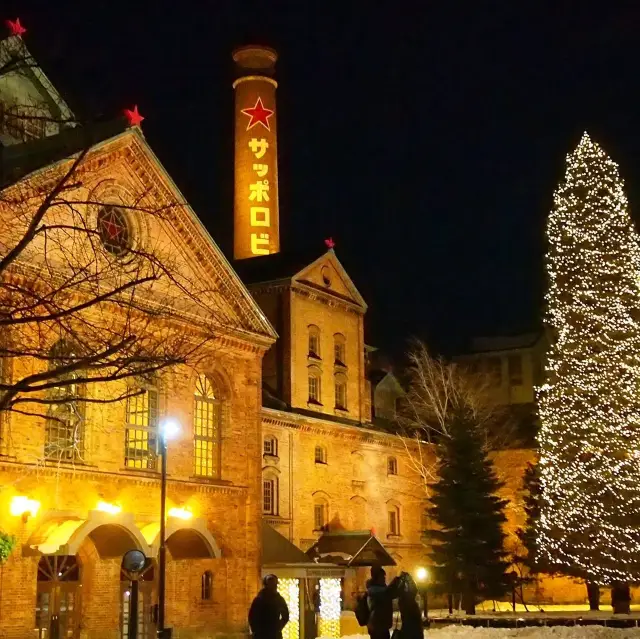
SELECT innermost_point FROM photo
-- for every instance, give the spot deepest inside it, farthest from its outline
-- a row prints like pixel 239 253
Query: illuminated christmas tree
pixel 590 405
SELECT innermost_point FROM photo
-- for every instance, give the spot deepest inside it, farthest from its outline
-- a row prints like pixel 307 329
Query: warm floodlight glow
pixel 170 428
pixel 180 513
pixel 422 574
pixel 24 506
pixel 106 507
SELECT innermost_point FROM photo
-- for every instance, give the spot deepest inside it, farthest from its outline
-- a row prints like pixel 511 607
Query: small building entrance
pixel 58 597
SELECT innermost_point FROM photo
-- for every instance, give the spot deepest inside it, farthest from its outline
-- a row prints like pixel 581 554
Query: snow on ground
pixel 560 632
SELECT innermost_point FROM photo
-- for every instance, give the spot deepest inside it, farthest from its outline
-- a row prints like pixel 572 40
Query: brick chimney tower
pixel 256 223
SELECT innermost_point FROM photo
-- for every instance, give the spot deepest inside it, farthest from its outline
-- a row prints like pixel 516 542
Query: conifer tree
pixel 589 438
pixel 468 545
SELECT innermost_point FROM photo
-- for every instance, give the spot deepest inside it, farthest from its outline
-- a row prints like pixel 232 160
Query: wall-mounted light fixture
pixel 180 513
pixel 106 507
pixel 24 507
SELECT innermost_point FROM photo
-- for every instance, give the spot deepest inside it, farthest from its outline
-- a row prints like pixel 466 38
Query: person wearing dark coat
pixel 410 615
pixel 380 599
pixel 269 613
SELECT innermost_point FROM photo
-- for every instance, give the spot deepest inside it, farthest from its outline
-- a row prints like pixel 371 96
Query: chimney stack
pixel 256 223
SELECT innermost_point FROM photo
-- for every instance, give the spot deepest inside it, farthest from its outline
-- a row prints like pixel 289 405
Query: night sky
pixel 427 142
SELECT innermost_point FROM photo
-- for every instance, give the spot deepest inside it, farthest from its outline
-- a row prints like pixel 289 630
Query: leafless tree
pixel 90 309
pixel 438 391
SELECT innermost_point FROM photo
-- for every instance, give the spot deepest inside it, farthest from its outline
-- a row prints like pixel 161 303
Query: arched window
pixel 114 230
pixel 315 390
pixel 320 455
pixel 270 446
pixel 340 381
pixel 270 496
pixel 393 519
pixel 141 426
pixel 392 466
pixel 64 433
pixel 340 349
pixel 206 590
pixel 320 512
pixel 314 342
pixel 207 424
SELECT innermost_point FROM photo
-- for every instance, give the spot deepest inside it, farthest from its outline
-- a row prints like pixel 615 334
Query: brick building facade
pixel 78 499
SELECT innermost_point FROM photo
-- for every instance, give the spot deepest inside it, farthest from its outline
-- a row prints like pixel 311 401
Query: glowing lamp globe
pixel 170 428
pixel 421 574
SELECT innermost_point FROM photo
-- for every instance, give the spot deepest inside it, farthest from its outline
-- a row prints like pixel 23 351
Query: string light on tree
pixel 590 404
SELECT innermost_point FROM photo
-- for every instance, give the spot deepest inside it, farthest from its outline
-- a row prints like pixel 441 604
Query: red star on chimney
pixel 329 242
pixel 258 115
pixel 133 116
pixel 15 28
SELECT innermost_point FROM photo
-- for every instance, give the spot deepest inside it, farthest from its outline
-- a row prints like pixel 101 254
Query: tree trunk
pixel 621 599
pixel 593 594
pixel 469 602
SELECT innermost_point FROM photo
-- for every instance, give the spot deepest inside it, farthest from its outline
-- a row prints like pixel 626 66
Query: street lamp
pixel 422 577
pixel 169 429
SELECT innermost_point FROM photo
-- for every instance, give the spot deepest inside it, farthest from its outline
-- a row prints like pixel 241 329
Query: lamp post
pixel 422 577
pixel 169 429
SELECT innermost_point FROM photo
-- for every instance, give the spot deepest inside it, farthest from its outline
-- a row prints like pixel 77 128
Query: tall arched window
pixel 270 497
pixel 320 512
pixel 340 349
pixel 206 586
pixel 393 519
pixel 315 387
pixel 141 427
pixel 64 433
pixel 314 342
pixel 207 424
pixel 340 385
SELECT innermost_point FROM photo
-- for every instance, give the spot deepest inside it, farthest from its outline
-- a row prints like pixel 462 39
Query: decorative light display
pixel 590 404
pixel 330 608
pixel 133 116
pixel 290 590
pixel 15 28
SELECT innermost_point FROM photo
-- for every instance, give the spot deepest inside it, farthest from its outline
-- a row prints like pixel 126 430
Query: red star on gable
pixel 329 242
pixel 15 28
pixel 258 115
pixel 133 116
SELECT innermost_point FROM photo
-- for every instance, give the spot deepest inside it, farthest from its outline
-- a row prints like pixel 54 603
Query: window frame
pixel 340 382
pixel 314 373
pixel 274 508
pixel 75 440
pixel 322 457
pixel 150 429
pixel 393 520
pixel 206 586
pixel 320 505
pixel 515 371
pixel 340 350
pixel 392 466
pixel 273 441
pixel 313 335
pixel 205 405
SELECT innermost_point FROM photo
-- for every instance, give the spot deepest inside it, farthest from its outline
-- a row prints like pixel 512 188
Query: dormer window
pixel 314 342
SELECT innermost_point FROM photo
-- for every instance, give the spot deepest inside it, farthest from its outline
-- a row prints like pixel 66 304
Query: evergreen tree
pixel 468 546
pixel 589 438
pixel 528 535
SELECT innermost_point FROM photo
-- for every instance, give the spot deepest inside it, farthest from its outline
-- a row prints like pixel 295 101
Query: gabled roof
pixel 505 342
pixel 21 160
pixel 355 548
pixel 294 268
pixel 276 267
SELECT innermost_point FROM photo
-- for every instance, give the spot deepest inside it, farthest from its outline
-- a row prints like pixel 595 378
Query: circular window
pixel 113 229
